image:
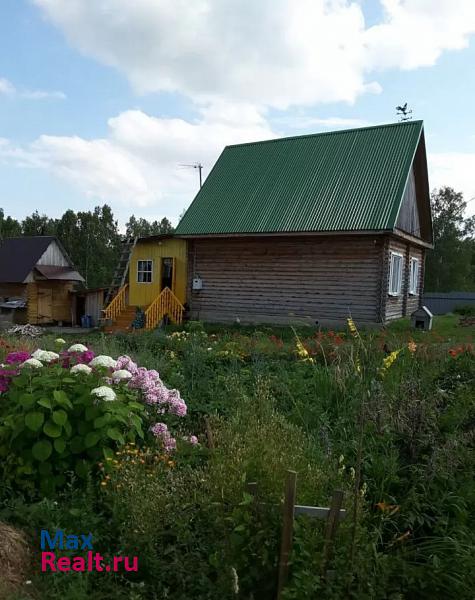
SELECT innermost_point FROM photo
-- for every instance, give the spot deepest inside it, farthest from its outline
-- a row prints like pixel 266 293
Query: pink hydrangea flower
pixel 125 362
pixel 176 404
pixel 160 431
pixel 191 439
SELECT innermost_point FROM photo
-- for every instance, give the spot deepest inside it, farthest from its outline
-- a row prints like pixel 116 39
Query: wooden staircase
pixel 123 321
pixel 120 314
pixel 165 304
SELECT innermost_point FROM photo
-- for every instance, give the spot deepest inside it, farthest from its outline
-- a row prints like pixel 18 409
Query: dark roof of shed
pixel 18 256
pixel 350 180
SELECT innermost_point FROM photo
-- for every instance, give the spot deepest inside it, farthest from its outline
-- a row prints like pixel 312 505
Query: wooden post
pixel 287 531
pixel 333 521
pixel 252 489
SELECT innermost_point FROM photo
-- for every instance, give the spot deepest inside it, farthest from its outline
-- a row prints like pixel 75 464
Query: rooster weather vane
pixel 403 113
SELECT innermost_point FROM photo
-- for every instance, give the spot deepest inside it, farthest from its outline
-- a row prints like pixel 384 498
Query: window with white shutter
pixel 395 273
pixel 144 271
pixel 413 276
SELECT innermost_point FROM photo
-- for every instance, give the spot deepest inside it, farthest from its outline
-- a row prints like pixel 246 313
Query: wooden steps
pixel 123 321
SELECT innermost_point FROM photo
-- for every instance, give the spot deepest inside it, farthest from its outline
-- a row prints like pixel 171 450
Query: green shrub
pixel 51 425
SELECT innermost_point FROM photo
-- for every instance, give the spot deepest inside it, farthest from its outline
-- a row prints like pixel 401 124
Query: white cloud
pixel 8 89
pixel 272 52
pixel 454 169
pixel 137 167
pixel 139 162
pixel 416 32
pixel 42 95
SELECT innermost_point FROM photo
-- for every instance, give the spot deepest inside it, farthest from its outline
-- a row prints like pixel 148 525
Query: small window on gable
pixel 395 273
pixel 144 271
pixel 414 276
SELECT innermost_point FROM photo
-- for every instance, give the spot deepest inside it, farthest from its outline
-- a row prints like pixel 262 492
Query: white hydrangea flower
pixel 45 355
pixel 81 369
pixel 32 362
pixel 104 392
pixel 121 375
pixel 103 361
pixel 60 341
pixel 77 348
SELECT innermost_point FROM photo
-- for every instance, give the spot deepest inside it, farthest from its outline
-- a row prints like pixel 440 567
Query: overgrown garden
pixel 149 442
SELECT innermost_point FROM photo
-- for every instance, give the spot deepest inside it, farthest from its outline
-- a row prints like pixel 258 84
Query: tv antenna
pixel 403 113
pixel 198 166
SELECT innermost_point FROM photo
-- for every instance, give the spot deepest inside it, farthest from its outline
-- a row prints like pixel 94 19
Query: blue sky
pixel 102 101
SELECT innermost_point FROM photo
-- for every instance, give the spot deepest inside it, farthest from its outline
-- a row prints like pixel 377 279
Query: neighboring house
pixel 312 228
pixel 39 271
pixel 307 229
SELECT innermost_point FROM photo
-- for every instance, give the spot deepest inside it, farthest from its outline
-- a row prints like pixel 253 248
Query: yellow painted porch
pixel 143 294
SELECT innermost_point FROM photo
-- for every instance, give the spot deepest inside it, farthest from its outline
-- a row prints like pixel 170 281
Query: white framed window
pixel 144 271
pixel 413 275
pixel 395 273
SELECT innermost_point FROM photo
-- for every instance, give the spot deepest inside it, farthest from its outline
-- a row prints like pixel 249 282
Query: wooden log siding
pixel 404 304
pixel 285 279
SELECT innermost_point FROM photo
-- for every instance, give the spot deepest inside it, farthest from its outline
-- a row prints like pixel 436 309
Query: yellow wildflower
pixel 352 327
pixel 302 352
pixel 388 361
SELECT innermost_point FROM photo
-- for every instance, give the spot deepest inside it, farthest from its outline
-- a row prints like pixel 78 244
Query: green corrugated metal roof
pixel 339 181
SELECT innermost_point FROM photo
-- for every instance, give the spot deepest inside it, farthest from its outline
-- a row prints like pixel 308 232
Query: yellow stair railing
pixel 166 303
pixel 118 304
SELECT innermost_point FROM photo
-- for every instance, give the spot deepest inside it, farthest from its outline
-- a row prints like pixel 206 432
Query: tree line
pixel 450 266
pixel 92 240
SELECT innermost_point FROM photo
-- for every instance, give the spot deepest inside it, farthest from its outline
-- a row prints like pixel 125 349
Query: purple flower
pixel 6 375
pixel 84 358
pixel 125 362
pixel 160 431
pixel 176 403
pixel 191 439
pixel 17 357
pixel 76 358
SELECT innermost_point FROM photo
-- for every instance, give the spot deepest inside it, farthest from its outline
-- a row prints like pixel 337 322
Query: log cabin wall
pixel 287 279
pixel 405 303
pixel 12 290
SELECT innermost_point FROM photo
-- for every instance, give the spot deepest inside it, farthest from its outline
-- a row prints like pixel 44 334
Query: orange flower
pixel 403 537
pixel 387 508
pixel 412 346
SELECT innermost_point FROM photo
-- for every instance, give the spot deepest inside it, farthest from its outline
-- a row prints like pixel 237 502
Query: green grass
pixel 445 328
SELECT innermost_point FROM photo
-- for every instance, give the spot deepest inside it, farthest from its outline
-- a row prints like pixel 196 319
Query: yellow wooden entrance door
pixel 45 305
pixel 168 273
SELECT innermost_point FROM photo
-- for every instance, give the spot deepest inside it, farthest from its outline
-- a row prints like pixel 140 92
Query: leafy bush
pixel 56 420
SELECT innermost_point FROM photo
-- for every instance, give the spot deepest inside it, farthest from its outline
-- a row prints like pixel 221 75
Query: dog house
pixel 422 318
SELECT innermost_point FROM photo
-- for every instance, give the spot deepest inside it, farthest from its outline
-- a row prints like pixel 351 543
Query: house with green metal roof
pixel 312 228
pixel 308 229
